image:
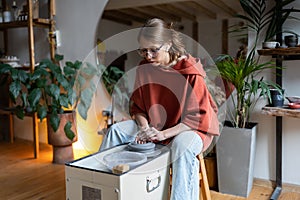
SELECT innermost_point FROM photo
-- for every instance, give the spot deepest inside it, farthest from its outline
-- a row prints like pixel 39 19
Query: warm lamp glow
pixel 88 138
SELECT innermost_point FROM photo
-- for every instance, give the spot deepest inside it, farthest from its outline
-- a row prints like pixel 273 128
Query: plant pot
pixel 277 98
pixel 62 146
pixel 235 159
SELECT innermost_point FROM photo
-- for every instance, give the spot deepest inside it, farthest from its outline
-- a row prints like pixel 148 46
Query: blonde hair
pixel 159 32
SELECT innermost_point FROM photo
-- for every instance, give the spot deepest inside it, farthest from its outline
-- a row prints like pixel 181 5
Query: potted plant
pixel 54 92
pixel 270 20
pixel 235 162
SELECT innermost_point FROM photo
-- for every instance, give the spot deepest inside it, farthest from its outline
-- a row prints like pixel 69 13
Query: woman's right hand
pixel 143 135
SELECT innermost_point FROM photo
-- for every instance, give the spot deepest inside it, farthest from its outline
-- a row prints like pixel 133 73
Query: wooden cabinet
pixel 280 54
pixel 29 23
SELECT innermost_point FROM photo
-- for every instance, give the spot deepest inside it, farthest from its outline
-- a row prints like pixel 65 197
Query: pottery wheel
pixel 148 148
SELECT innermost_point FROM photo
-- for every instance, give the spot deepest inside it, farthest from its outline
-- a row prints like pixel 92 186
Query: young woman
pixel 171 105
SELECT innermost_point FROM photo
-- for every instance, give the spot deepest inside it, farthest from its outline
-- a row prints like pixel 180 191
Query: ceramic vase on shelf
pixel 277 98
pixel 291 40
pixel 7 16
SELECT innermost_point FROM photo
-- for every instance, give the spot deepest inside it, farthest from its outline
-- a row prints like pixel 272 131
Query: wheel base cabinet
pixel 89 178
pixel 235 159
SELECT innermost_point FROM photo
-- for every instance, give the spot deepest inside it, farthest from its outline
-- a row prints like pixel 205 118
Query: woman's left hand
pixel 156 135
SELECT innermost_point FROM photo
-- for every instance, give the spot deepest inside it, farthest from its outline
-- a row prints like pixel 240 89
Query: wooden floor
pixel 22 177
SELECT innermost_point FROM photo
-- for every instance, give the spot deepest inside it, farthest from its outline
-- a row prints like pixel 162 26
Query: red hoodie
pixel 176 95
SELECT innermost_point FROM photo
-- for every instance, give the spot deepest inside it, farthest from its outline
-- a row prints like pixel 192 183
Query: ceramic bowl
pixel 294 105
pixel 270 45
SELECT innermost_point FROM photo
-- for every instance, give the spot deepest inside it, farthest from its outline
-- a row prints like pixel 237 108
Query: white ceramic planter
pixel 235 160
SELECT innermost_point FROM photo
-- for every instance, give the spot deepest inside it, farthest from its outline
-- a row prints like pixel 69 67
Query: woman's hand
pixel 142 136
pixel 156 135
pixel 149 134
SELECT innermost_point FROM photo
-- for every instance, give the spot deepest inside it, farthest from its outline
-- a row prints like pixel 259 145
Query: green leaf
pixel 81 81
pixel 53 91
pixel 19 112
pixel 58 57
pixel 54 121
pixel 86 96
pixel 23 76
pixel 69 71
pixel 24 100
pixel 41 83
pixel 89 69
pixel 82 110
pixel 71 96
pixel 38 73
pixel 34 97
pixel 14 75
pixel 62 80
pixel 14 89
pixel 63 99
pixel 54 69
pixel 77 65
pixel 41 112
pixel 69 133
pixel 5 68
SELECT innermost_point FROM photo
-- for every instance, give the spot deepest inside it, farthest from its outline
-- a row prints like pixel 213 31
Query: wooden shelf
pixel 284 111
pixel 23 24
pixel 29 24
pixel 291 51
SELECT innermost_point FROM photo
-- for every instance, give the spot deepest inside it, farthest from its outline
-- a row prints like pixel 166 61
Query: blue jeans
pixel 184 150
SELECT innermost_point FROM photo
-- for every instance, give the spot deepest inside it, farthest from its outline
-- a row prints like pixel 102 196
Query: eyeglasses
pixel 151 51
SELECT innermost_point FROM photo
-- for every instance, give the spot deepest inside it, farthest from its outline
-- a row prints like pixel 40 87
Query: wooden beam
pixel 195 31
pixel 229 10
pixel 139 13
pixel 124 15
pixel 225 36
pixel 110 17
pixel 157 11
pixel 117 4
pixel 174 9
pixel 201 9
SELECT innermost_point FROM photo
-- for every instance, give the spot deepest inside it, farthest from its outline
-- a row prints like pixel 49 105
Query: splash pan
pixel 132 159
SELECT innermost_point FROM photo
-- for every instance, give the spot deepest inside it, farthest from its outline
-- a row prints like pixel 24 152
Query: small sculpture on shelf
pixel 15 11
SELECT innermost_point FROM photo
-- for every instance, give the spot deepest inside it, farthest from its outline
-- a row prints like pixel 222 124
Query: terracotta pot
pixel 62 146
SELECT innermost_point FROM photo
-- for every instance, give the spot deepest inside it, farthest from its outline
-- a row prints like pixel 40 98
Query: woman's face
pixel 157 54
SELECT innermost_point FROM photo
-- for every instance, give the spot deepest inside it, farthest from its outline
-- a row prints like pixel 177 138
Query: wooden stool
pixel 204 186
pixel 203 181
